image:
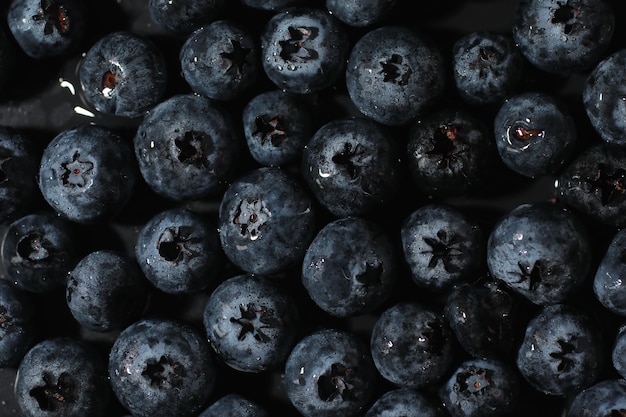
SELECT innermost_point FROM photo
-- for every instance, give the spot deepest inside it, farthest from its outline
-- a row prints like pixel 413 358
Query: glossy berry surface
pixel 607 280
pixel 604 398
pixel 183 17
pixel 360 13
pixel 234 405
pixel 400 402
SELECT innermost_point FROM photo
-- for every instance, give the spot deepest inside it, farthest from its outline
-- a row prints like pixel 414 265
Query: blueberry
pixel 481 387
pixel 442 246
pixel 19 163
pixel 181 17
pixel 304 49
pixel 48 28
pixel 352 166
pixel 608 285
pixel 179 251
pixel 62 377
pixel 123 74
pixel 487 67
pixel 273 5
pixel 266 221
pixel 618 352
pixel 277 125
pixel 561 352
pixel 106 291
pixel 87 173
pixel 162 367
pixel 360 13
pixel 602 98
pixel 540 250
pixel 220 60
pixel 186 147
pixel 251 322
pixel 330 372
pixel 450 152
pixel 605 398
pixel 394 74
pixel 350 267
pixel 412 345
pixel 38 251
pixel 563 37
pixel 535 133
pixel 232 405
pixel 17 324
pixel 399 402
pixel 594 184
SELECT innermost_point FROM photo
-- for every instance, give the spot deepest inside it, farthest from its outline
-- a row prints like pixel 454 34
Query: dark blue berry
pixel 359 13
pixel 220 60
pixel 181 17
pixel 251 322
pixel 234 405
pixel 273 5
pixel 352 166
pixel 87 173
pixel 350 267
pixel 608 282
pixel 394 74
pixel 330 372
pixel 541 251
pixel 123 74
pixel 605 398
pixel 186 147
pixel 400 402
pixel 618 352
pixel 266 221
pixel 17 324
pixel 535 133
pixel 161 367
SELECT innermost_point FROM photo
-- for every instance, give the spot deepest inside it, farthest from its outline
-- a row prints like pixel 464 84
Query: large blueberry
pixel 186 147
pixel 304 49
pixel 181 17
pixel 393 74
pixel 87 173
pixel 266 221
pixel 608 282
pixel 251 322
pixel 350 267
pixel 618 352
pixel 123 74
pixel 62 377
pixel 360 13
pixel 352 166
pixel 606 398
pixel 161 367
pixel 232 405
pixel 400 402
pixel 540 250
pixel 220 60
pixel 329 373
pixel 17 324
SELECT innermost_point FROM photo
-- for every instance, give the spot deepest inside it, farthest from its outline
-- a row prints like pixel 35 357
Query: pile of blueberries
pixel 312 208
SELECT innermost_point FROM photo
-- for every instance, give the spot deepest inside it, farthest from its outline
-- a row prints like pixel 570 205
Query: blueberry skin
pixel 267 219
pixel 481 388
pixel 412 345
pixel 277 125
pixel 62 377
pixel 352 166
pixel 19 164
pixel 18 330
pixel 360 14
pixel 618 352
pixel 541 251
pixel 38 251
pixel 251 322
pixel 441 246
pixel 123 74
pixel 220 60
pixel 449 152
pixel 179 251
pixel 329 373
pixel 394 74
pixel 563 37
pixel 561 352
pixel 274 5
pixel 593 184
pixel 535 133
pixel 350 267
pixel 162 368
pixel 602 98
pixel 401 402
pixel 106 291
pixel 608 285
pixel 47 28
pixel 603 399
pixel 234 405
pixel 187 147
pixel 87 173
pixel 487 67
pixel 304 49
pixel 182 17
